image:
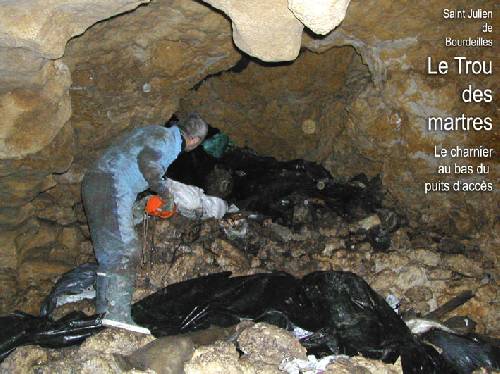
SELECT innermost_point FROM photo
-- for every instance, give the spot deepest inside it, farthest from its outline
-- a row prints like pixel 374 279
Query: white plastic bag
pixel 192 202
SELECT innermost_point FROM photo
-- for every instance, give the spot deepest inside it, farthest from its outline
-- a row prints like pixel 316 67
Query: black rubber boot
pixel 117 292
pixel 101 285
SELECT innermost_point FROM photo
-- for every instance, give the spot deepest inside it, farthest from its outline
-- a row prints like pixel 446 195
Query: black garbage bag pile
pixel 271 187
pixel 342 312
pixel 277 189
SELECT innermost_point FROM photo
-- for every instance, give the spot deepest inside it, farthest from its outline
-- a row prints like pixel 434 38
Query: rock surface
pixel 265 29
pixel 102 83
pixel 362 365
pixel 165 355
pixel 264 347
pixel 316 88
pixel 321 16
pixel 386 126
pixel 46 26
pixel 222 357
pixel 34 112
pixel 269 344
pixel 34 98
pixel 380 128
pixel 95 355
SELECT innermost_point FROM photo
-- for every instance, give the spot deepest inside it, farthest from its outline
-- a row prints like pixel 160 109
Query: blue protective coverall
pixel 135 161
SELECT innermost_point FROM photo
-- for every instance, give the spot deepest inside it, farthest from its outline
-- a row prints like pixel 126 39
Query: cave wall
pixel 380 128
pixel 127 71
pixel 292 110
pixel 386 131
pixel 134 69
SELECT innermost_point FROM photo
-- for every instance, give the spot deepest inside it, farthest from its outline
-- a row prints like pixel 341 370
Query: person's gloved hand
pixel 158 207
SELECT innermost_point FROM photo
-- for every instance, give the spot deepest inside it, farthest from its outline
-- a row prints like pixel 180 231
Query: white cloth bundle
pixel 192 202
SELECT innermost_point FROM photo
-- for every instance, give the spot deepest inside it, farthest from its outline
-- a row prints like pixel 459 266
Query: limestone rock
pixel 481 308
pixel 37 142
pixel 70 237
pixel 12 217
pixel 427 257
pixel 113 340
pixel 321 16
pixel 393 112
pixel 411 276
pixel 56 213
pixel 8 251
pixel 95 355
pixel 8 285
pixel 229 257
pixel 220 358
pixel 168 45
pixel 269 344
pixel 33 114
pixel 367 223
pixel 223 358
pixel 265 29
pixel 72 176
pixel 46 26
pixel 33 270
pixel 23 359
pixel 23 180
pixel 35 234
pixel 333 246
pixel 463 265
pixel 165 355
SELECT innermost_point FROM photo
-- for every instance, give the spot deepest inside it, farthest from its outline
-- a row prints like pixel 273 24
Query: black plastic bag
pixel 344 313
pixel 20 329
pixel 73 282
pixel 272 187
pixel 465 353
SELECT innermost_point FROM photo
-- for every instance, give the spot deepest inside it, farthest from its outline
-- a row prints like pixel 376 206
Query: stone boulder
pixel 321 16
pixel 265 29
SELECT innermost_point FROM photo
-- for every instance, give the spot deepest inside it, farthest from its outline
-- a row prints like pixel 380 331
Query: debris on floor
pixel 344 315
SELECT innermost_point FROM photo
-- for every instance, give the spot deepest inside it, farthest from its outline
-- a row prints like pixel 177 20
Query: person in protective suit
pixel 133 163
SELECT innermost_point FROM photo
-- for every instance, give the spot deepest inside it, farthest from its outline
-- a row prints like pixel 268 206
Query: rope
pixel 147 250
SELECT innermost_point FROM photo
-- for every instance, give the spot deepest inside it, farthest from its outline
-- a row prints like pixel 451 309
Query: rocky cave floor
pixel 422 269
